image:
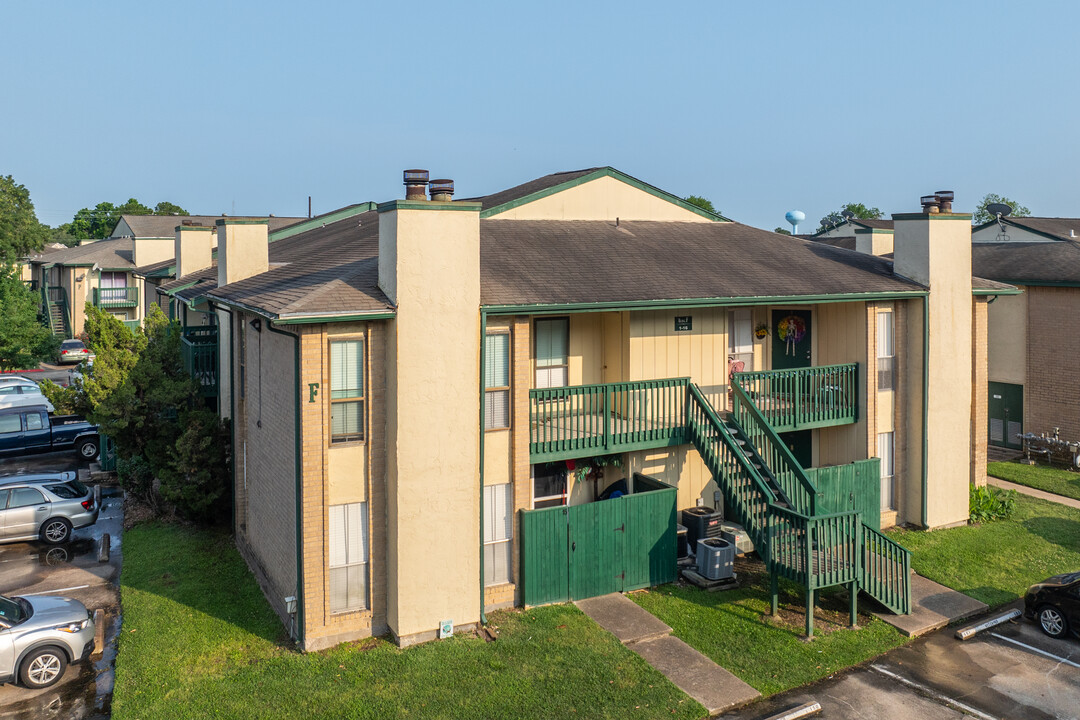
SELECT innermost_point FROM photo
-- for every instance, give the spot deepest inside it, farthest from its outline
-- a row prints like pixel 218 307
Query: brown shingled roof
pixel 109 253
pixel 1028 263
pixel 161 226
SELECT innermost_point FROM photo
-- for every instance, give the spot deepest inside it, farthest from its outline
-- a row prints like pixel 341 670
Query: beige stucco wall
pixel 1007 319
pixel 244 252
pixel 152 250
pixel 874 242
pixel 602 199
pixel 437 579
pixel 991 233
pixel 193 248
pixel 935 250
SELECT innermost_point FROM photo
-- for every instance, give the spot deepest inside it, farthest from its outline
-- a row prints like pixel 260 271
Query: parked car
pixel 31 429
pixel 44 506
pixel 22 392
pixel 40 636
pixel 14 379
pixel 1055 604
pixel 73 351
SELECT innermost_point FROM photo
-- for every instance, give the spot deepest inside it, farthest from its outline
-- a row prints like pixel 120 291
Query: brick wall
pixel 1052 391
pixel 979 389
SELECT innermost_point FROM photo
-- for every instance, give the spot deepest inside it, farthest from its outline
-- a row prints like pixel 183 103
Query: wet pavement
pixel 1010 671
pixel 68 570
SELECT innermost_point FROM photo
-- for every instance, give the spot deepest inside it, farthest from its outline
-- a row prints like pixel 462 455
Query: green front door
pixel 1005 410
pixel 790 339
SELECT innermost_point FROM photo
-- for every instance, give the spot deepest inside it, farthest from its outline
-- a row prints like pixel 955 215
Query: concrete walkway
pixel 693 673
pixel 933 606
pixel 1041 494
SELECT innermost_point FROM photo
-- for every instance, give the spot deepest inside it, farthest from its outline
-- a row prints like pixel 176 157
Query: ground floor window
pixel 498 531
pixel 549 486
pixel 888 484
pixel 348 557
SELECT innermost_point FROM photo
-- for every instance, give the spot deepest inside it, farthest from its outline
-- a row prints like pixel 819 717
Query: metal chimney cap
pixel 416 177
pixel 944 195
pixel 441 187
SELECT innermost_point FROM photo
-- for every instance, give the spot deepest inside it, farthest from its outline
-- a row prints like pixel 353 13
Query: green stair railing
pixel 804 398
pixel 885 573
pixel 199 352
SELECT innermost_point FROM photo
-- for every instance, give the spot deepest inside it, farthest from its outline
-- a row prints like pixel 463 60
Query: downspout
pixel 483 353
pixel 299 503
pixel 232 394
pixel 925 400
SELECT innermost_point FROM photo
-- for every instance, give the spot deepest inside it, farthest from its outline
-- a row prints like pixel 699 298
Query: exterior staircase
pixel 54 310
pixel 769 493
pixel 57 320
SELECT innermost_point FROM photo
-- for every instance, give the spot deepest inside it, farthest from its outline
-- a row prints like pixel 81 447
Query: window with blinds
pixel 888 484
pixel 346 391
pixel 740 339
pixel 496 380
pixel 348 557
pixel 886 352
pixel 552 352
pixel 498 531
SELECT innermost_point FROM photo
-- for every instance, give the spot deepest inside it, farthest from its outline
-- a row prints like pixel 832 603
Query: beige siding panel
pixel 347 474
pixel 840 335
pixel 497 457
pixel 586 349
pixel 602 199
pixel 681 467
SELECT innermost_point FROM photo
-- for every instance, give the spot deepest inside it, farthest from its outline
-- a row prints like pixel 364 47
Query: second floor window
pixel 496 380
pixel 347 391
pixel 886 352
pixel 552 353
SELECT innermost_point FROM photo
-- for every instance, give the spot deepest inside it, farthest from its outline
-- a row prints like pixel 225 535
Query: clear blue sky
pixel 762 107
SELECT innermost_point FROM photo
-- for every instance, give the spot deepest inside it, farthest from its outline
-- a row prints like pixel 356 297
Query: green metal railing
pixel 570 422
pixel 777 457
pixel 54 305
pixel 804 398
pixel 199 351
pixel 116 297
pixel 885 572
pixel 816 552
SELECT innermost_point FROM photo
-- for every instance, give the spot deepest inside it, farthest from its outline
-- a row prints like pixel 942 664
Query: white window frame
pixel 887 454
pixel 495 391
pixel 886 351
pixel 347 531
pixel 358 397
pixel 548 500
pixel 741 319
pixel 547 371
pixel 498 534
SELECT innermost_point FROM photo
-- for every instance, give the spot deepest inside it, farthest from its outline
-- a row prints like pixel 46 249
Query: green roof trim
pixel 548 309
pixel 242 221
pixel 596 174
pixel 1000 291
pixel 1042 283
pixel 428 205
pixel 324 219
pixel 873 231
pixel 933 216
pixel 207 228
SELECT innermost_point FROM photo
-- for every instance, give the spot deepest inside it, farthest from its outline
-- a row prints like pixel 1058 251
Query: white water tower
pixel 794 217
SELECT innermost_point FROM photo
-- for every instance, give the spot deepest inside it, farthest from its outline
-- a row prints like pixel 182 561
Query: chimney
pixel 933 248
pixel 243 248
pixel 416 184
pixel 442 190
pixel 193 247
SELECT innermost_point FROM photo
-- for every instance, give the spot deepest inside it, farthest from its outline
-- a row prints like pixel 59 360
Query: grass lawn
pixel 734 628
pixel 199 641
pixel 995 562
pixel 1040 477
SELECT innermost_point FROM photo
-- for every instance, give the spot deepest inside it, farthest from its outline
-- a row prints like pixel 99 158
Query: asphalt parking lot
pixel 1010 671
pixel 68 570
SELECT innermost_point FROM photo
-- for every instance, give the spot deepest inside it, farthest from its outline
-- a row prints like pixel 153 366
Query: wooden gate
pixel 855 486
pixel 581 551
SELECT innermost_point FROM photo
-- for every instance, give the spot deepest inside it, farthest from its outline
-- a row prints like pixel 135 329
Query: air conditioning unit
pixel 715 559
pixel 682 548
pixel 701 523
pixel 736 535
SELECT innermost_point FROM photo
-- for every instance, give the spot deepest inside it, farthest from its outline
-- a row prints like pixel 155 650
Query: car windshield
pixel 11 612
pixel 72 345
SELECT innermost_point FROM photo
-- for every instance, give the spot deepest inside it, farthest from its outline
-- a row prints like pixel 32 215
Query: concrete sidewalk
pixel 933 606
pixel 693 673
pixel 1025 490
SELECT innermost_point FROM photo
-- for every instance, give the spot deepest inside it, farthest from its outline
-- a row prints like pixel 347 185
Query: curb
pixel 804 710
pixel 969 632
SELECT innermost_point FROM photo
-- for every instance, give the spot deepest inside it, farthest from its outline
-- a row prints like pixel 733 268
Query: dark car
pixel 31 429
pixel 1055 604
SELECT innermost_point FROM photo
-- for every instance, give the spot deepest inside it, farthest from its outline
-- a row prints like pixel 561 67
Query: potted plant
pixel 761 331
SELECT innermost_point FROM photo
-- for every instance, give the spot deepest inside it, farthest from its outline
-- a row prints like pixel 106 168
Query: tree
pixel 20 231
pixel 782 231
pixel 24 341
pixel 982 215
pixel 703 203
pixel 857 210
pixel 100 221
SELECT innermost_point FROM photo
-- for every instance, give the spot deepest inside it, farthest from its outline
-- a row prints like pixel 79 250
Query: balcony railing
pixel 132 325
pixel 199 350
pixel 116 297
pixel 804 398
pixel 572 422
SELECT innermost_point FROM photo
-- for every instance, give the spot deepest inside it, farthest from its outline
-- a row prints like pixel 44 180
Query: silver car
pixel 73 351
pixel 21 393
pixel 40 636
pixel 44 506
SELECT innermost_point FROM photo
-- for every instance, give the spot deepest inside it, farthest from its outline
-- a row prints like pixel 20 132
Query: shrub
pixel 66 400
pixel 137 477
pixel 990 503
pixel 195 479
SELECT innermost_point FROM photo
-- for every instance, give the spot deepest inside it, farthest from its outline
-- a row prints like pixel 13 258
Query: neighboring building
pixel 1034 340
pixel 413 390
pixel 101 272
pixel 874 237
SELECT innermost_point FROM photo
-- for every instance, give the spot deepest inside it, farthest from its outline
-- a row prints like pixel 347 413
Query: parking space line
pixel 944 699
pixel 50 592
pixel 1037 650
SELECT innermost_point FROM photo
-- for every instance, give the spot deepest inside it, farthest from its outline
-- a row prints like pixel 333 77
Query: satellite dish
pixel 794 217
pixel 999 209
pixel 847 214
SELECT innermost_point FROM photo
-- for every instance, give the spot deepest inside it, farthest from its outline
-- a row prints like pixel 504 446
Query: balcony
pixel 116 297
pixel 199 352
pixel 571 422
pixel 804 398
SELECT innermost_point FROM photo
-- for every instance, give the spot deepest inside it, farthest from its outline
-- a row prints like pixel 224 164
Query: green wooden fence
pixel 855 486
pixel 581 551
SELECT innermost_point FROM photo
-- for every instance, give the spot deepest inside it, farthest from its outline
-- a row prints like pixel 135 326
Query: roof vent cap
pixel 441 190
pixel 415 183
